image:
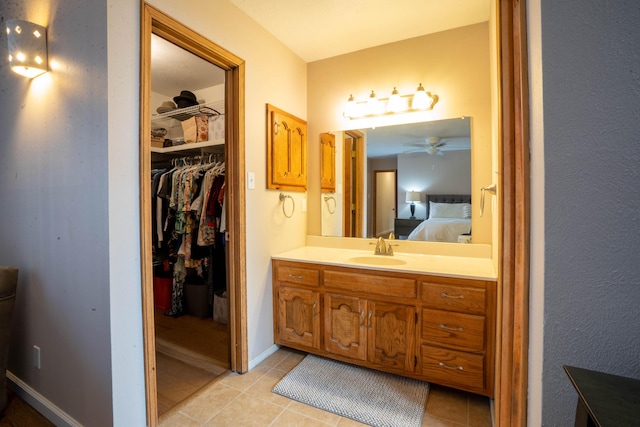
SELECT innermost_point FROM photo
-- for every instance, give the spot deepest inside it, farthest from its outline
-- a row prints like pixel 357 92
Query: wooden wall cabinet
pixel 286 151
pixel 437 329
pixel 327 163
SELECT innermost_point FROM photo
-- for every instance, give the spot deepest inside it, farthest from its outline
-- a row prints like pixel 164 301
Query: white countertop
pixel 441 265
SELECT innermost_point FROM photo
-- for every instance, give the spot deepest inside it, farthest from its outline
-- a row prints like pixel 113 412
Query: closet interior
pixel 188 221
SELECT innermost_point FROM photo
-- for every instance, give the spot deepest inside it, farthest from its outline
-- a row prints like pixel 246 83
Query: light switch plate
pixel 251 180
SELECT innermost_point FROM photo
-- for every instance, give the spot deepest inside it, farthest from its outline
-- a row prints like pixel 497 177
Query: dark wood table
pixel 605 400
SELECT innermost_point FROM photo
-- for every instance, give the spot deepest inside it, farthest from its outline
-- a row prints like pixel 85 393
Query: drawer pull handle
pixel 295 277
pixel 456 328
pixel 446 295
pixel 369 320
pixel 455 368
pixel 362 318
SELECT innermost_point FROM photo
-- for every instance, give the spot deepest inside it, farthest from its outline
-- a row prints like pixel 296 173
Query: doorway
pixel 385 184
pixel 226 150
pixel 353 203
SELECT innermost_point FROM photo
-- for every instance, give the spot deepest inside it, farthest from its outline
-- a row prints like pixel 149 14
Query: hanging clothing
pixel 188 202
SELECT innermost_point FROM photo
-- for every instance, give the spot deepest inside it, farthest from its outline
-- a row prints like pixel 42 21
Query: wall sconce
pixel 27 48
pixel 421 100
pixel 413 197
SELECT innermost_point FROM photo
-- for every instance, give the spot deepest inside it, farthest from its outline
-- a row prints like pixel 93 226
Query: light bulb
pixel 420 99
pixel 372 104
pixel 395 103
pixel 351 107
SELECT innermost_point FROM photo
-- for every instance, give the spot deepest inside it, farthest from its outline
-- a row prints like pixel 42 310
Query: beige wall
pixel 453 64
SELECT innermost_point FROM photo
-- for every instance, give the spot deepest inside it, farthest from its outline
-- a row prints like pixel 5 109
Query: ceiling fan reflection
pixel 431 146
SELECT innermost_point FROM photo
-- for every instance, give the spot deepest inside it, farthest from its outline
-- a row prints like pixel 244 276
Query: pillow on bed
pixel 449 210
pixel 466 210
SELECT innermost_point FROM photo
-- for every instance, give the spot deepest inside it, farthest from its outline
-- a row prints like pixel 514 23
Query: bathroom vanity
pixel 390 313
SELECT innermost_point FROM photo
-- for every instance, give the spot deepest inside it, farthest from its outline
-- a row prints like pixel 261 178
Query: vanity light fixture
pixel 413 197
pixel 27 48
pixel 421 100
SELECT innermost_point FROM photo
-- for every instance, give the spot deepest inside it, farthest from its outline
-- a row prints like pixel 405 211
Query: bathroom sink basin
pixel 377 260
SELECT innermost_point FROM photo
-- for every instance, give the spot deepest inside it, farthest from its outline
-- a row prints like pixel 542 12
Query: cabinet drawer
pixel 454 297
pixel 378 285
pixel 453 368
pixel 298 275
pixel 453 330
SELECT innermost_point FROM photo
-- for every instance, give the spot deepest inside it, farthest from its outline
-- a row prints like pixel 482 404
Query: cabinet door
pixel 344 330
pixel 391 335
pixel 328 163
pixel 298 320
pixel 287 151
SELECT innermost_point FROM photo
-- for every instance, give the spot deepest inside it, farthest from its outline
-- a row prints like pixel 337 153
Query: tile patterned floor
pixel 247 400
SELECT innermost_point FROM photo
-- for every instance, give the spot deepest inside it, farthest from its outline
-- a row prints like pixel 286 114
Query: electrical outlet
pixel 36 356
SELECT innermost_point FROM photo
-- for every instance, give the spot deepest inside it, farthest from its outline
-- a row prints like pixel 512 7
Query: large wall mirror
pixel 405 164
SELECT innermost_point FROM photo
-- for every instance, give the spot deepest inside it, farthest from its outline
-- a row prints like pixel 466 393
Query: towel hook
pixel 283 198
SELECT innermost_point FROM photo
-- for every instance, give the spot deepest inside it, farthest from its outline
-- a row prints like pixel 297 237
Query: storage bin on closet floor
pixel 162 292
pixel 220 307
pixel 195 296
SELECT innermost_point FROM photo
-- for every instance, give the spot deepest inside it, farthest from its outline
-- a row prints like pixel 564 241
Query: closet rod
pixel 192 160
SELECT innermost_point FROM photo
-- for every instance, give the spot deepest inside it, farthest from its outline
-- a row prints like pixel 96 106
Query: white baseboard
pixel 40 403
pixel 268 352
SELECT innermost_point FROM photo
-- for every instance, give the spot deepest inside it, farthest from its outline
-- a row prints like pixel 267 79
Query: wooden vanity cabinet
pixel 436 329
pixel 297 307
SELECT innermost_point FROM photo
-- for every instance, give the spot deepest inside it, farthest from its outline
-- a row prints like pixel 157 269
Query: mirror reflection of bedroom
pixel 419 181
pixel 187 155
